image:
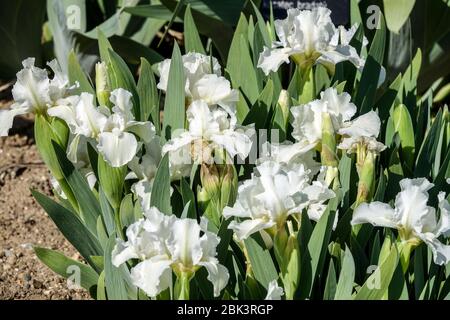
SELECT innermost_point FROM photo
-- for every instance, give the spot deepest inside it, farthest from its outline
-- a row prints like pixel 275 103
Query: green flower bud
pixel 366 178
pixel 328 152
pixel 284 103
pixel 209 176
pixel 228 189
pixel 102 86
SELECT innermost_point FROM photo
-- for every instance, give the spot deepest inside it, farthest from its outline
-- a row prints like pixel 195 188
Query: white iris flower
pixel 34 92
pixel 203 81
pixel 309 37
pixel 164 243
pixel 362 133
pixel 273 194
pixel 210 128
pixel 415 221
pixel 307 118
pixel 115 132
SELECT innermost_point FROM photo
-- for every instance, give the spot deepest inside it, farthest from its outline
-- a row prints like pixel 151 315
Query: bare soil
pixel 24 224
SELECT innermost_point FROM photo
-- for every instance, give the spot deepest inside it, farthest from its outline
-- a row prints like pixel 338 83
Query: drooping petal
pixel 271 59
pixel 72 150
pixel 65 110
pixel 118 148
pixel 152 276
pixel 7 118
pixel 144 130
pixel 248 227
pixel 331 57
pixel 177 144
pixel 217 274
pixel 122 253
pixel 376 213
pixel 307 124
pixel 443 226
pixel 441 252
pixel 236 211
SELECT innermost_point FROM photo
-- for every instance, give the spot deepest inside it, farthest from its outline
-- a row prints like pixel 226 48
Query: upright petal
pixel 338 105
pixel 184 242
pixel 143 190
pixel 31 89
pixel 121 100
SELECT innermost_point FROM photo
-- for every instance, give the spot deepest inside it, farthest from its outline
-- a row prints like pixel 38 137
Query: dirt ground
pixel 23 223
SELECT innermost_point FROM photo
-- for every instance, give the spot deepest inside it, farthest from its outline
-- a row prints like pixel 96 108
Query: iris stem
pixel 307 90
pixel 182 286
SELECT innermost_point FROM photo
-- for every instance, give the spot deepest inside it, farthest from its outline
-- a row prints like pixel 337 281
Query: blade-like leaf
pixel 160 197
pixel 71 227
pixel 192 39
pixel 174 108
pixel 67 267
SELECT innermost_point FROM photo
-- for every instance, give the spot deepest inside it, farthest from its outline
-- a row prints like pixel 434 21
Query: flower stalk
pixel 182 285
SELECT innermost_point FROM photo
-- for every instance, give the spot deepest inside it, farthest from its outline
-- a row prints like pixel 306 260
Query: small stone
pixel 27 277
pixel 11 260
pixel 37 284
pixel 8 253
pixel 27 246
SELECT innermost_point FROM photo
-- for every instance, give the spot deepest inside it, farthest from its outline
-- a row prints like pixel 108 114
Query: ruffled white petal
pixel 274 291
pixel 271 59
pixel 441 252
pixel 367 125
pixel 184 243
pixel 152 276
pixel 376 213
